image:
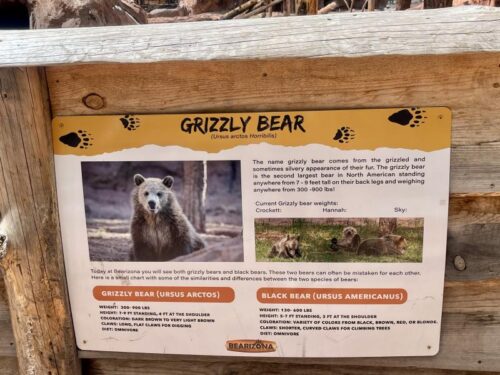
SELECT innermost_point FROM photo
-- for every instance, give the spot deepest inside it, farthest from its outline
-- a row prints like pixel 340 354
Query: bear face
pixel 153 194
pixel 347 240
pixel 292 245
pixel 395 244
pixel 287 247
pixel 349 232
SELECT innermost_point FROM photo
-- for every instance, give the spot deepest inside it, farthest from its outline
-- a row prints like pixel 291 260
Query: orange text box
pixel 163 294
pixel 335 296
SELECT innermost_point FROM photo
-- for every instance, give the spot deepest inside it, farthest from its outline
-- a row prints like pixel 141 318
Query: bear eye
pixel 146 194
pixel 159 195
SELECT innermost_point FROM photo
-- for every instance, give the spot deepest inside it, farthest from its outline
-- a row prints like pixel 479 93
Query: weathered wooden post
pixel 33 262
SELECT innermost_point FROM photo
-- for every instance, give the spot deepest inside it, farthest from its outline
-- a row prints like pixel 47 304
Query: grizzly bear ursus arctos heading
pixel 160 230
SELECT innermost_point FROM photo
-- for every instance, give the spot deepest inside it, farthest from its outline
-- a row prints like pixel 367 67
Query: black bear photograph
pixel 182 211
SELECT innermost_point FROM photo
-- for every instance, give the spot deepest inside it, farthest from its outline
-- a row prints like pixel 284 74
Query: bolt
pixel 94 101
pixel 459 263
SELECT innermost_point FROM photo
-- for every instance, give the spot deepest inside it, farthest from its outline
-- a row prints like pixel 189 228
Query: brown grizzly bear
pixel 390 244
pixel 160 230
pixel 287 247
pixel 349 241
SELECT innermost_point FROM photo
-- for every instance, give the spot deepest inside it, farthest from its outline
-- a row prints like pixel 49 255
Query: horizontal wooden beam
pixel 437 31
pixel 247 367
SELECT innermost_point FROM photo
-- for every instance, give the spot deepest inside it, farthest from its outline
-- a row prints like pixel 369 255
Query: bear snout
pixel 152 205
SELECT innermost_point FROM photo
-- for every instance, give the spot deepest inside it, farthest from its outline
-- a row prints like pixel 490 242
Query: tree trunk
pixel 403 4
pixel 312 6
pixel 387 225
pixel 431 4
pixel 194 193
pixel 33 266
pixel 306 7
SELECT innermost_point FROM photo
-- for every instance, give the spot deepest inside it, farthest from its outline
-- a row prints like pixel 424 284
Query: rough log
pixel 240 9
pixel 329 8
pixel 260 9
pixel 434 32
pixel 247 367
pixel 33 266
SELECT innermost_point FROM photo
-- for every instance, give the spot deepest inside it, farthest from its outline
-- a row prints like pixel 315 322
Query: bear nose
pixel 151 204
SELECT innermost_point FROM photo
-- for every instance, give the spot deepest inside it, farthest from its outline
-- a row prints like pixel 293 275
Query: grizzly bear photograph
pixel 160 230
pixel 181 211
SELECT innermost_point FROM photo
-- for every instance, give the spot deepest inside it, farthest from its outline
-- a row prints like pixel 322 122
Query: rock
pixel 82 13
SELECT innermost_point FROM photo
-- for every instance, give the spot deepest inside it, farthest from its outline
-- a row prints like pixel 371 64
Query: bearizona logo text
pixel 242 124
pixel 251 346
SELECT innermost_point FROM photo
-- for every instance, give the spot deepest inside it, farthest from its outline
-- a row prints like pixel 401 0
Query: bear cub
pixel 287 247
pixel 160 230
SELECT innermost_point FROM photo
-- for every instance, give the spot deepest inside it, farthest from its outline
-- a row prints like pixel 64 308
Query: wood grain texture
pixel 8 366
pixel 474 234
pixel 33 267
pixel 471 89
pixel 433 32
pixel 245 367
pixel 7 346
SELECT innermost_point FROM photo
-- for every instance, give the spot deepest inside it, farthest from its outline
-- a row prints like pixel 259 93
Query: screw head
pixel 459 263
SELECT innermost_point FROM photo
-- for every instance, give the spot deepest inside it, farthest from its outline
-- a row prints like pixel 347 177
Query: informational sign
pixel 287 234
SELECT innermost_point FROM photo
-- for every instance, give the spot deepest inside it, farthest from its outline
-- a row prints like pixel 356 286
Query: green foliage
pixel 315 243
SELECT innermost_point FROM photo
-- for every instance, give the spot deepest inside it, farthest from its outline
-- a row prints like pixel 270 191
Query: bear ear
pixel 297 237
pixel 168 181
pixel 138 179
pixel 287 236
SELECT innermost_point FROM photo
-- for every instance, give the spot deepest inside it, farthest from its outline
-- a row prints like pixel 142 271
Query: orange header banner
pixel 163 294
pixel 333 296
pixel 426 129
